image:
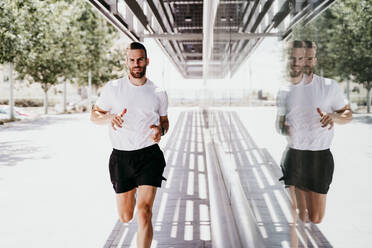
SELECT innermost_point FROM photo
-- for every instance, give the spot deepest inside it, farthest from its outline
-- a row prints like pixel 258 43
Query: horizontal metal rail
pixel 217 36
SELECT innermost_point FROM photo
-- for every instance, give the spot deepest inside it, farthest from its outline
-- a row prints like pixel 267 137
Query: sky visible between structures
pixel 262 70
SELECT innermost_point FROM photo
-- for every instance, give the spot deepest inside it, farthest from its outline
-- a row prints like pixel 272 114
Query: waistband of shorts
pixel 310 151
pixel 134 152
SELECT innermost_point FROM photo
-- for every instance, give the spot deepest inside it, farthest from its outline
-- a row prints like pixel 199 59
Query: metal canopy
pixel 239 26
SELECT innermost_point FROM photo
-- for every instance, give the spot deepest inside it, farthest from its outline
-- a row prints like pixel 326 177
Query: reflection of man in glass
pixel 310 58
pixel 308 107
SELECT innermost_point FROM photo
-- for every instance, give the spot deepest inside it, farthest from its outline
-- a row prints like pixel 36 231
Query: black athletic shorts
pixel 308 170
pixel 129 169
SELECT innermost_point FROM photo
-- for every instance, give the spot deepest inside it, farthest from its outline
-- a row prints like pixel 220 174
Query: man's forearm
pixel 164 125
pixel 281 126
pixel 342 117
pixel 100 118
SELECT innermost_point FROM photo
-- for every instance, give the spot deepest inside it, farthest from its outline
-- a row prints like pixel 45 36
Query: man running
pixel 136 111
pixel 308 107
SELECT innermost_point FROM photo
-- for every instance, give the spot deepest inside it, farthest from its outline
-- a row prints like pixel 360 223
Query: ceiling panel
pixel 239 27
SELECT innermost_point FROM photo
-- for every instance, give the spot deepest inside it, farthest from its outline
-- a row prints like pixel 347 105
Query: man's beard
pixel 138 74
pixel 293 73
pixel 308 69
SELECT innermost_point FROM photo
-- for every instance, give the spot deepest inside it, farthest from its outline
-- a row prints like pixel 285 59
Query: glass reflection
pixel 308 106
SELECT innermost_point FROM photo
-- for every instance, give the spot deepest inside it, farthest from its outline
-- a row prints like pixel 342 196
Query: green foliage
pixel 106 68
pixel 43 58
pixel 343 34
pixel 96 54
pixel 321 31
pixel 50 39
pixel 10 44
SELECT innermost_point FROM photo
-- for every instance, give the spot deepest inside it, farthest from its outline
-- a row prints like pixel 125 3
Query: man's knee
pixel 144 213
pixel 303 217
pixel 316 218
pixel 126 216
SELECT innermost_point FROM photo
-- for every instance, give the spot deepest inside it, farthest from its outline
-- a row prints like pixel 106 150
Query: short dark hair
pixel 310 44
pixel 136 45
pixel 296 44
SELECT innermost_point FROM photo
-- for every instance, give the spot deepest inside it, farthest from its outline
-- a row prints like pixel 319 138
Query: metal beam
pixel 137 11
pixel 318 10
pixel 172 58
pixel 300 15
pixel 209 16
pixel 201 2
pixel 189 27
pixel 156 14
pixel 261 15
pixel 218 36
pixel 251 14
pixel 159 19
pixel 244 15
pixel 193 54
pixel 120 24
pixel 162 5
pixel 199 63
pixel 189 36
pixel 282 14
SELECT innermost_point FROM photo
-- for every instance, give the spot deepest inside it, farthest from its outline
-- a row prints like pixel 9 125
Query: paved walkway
pixel 55 189
pixel 259 173
pixel 347 222
pixel 181 209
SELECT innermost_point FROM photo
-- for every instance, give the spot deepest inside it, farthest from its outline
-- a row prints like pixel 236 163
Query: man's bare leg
pixel 125 204
pixel 294 237
pixel 316 206
pixel 146 196
pixel 301 196
pixel 292 193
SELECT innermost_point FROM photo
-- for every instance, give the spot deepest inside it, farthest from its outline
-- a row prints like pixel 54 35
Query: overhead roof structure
pixel 210 37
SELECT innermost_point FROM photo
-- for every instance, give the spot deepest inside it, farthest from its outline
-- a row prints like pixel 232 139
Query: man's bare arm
pixel 164 123
pixel 343 115
pixel 281 126
pixel 158 130
pixel 100 116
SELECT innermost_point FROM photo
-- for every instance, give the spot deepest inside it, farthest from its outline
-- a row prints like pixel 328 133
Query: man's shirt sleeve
pixel 163 97
pixel 281 102
pixel 104 100
pixel 339 100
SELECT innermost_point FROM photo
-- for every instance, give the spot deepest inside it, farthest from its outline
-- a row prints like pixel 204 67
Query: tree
pixel 51 40
pixel 344 38
pixel 10 42
pixel 10 45
pixel 360 34
pixel 320 31
pixel 45 57
pixel 97 56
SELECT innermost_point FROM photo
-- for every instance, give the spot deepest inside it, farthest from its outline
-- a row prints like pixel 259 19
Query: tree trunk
pixel 89 91
pixel 369 99
pixel 11 97
pixel 46 103
pixel 64 96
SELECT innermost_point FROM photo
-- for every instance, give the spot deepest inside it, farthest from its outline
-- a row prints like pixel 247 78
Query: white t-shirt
pixel 299 103
pixel 145 104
